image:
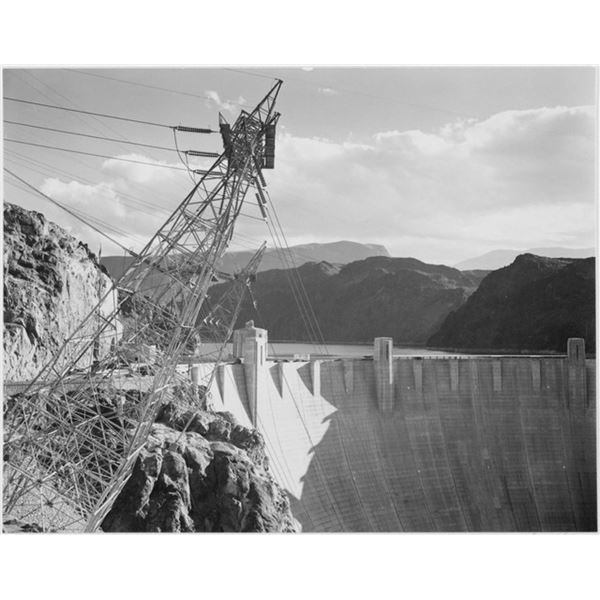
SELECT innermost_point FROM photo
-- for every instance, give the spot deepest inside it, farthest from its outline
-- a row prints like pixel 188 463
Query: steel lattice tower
pixel 73 436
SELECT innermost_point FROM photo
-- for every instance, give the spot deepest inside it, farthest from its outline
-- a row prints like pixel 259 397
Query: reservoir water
pixel 305 350
pixel 291 349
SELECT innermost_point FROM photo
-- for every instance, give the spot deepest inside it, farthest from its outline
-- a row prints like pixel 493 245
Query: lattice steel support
pixel 72 438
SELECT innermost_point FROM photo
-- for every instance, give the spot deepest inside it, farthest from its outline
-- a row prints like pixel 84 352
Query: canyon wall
pixel 51 283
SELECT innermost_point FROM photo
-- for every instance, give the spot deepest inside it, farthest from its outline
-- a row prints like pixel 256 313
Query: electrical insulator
pixel 269 147
pixel 193 129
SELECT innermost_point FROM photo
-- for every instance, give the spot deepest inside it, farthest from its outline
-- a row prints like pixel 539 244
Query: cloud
pixel 413 140
pixel 214 100
pixel 518 178
pixel 130 222
pixel 327 91
pixel 130 203
pixel 137 168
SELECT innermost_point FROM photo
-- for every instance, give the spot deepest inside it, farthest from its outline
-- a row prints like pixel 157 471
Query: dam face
pixel 458 444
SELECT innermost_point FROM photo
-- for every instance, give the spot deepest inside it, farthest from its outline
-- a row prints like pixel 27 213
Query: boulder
pixel 200 471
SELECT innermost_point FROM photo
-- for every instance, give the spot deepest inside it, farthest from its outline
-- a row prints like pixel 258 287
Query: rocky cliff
pixel 212 477
pixel 536 303
pixel 51 282
pixel 380 296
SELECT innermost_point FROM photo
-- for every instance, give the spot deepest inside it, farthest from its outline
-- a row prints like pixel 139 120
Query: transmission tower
pixel 219 315
pixel 72 437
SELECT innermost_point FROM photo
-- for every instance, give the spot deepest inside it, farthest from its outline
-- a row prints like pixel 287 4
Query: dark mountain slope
pixel 536 303
pixel 380 296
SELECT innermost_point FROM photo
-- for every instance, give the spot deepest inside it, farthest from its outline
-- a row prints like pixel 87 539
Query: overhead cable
pixel 68 210
pixel 109 139
pixel 108 116
pixel 336 88
pixel 147 85
pixel 130 160
pixel 52 171
pixel 100 122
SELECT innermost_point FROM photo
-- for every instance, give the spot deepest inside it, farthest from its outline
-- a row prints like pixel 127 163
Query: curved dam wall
pixel 463 443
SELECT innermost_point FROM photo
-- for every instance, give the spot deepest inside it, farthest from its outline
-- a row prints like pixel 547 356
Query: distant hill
pixel 342 253
pixel 379 296
pixel 334 252
pixel 496 259
pixel 536 303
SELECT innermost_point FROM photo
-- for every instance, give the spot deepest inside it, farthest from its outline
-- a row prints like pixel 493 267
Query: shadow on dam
pixel 474 444
pixel 479 443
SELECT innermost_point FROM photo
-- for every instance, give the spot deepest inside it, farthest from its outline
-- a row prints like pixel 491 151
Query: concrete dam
pixel 421 444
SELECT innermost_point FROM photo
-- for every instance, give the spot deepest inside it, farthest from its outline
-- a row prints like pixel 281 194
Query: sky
pixel 442 164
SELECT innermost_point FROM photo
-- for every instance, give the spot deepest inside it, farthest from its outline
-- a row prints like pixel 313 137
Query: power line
pixel 81 215
pixel 289 272
pixel 298 288
pixel 108 139
pixel 336 88
pixel 66 209
pixel 130 160
pixel 52 171
pixel 108 116
pixel 152 87
pixel 102 124
pixel 101 127
pixel 251 73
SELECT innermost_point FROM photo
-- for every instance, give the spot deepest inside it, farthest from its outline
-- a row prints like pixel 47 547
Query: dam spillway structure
pixel 423 443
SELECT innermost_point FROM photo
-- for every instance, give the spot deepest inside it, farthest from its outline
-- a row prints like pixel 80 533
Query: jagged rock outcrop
pixel 212 477
pixel 51 282
pixel 16 526
pixel 380 296
pixel 536 303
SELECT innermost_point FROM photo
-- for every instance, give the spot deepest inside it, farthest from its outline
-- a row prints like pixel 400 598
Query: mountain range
pixel 342 252
pixel 496 259
pixel 358 292
pixel 536 303
pixel 403 298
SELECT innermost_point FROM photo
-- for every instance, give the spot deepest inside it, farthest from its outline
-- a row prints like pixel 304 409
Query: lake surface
pixel 288 349
pixel 305 350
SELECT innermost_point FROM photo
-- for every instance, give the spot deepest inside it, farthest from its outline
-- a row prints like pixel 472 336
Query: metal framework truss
pixel 72 437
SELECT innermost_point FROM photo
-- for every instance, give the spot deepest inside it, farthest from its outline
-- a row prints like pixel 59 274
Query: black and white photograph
pixel 299 300
pixel 320 274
